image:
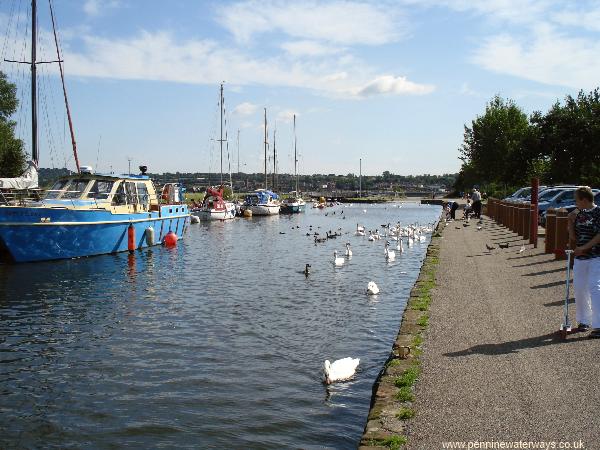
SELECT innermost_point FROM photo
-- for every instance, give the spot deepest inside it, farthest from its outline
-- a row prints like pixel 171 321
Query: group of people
pixel 471 208
pixel 584 239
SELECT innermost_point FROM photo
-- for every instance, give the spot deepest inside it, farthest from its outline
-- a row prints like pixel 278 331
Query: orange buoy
pixel 170 239
pixel 131 238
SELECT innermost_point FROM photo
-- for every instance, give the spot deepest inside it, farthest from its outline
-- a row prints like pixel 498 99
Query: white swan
pixel 337 261
pixel 340 370
pixel 360 228
pixel 372 288
pixel 371 237
pixel 348 251
pixel 390 255
pixel 400 247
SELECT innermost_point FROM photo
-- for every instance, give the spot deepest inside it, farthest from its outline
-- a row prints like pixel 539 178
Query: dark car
pixel 569 205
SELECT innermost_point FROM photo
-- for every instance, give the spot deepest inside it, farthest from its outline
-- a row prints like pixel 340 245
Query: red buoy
pixel 170 239
pixel 131 238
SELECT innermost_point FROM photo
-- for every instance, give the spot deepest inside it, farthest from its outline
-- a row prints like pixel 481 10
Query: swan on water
pixel 400 247
pixel 340 370
pixel 348 251
pixel 372 288
pixel 371 237
pixel 337 261
pixel 390 255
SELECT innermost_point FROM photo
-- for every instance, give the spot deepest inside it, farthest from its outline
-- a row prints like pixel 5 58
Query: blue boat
pixel 89 214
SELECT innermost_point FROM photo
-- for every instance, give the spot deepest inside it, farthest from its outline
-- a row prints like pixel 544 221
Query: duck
pixel 348 251
pixel 337 261
pixel 372 288
pixel 340 370
pixel 307 270
pixel 390 255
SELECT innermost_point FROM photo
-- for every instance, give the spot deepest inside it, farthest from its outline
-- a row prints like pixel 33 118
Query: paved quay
pixel 493 365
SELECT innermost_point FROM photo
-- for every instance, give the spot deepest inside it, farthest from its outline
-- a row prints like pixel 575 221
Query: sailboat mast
pixel 295 157
pixel 238 149
pixel 266 148
pixel 35 156
pixel 221 140
pixel 274 157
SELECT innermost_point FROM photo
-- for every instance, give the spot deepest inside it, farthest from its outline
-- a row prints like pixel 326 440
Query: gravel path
pixel 494 368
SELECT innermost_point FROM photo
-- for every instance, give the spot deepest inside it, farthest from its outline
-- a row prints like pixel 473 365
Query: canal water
pixel 218 343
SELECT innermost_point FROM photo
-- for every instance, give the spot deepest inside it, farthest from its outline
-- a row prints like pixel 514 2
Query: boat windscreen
pixel 75 188
pixel 100 190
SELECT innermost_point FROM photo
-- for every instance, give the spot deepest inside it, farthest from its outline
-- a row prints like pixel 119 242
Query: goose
pixel 340 370
pixel 348 251
pixel 372 288
pixel 376 235
pixel 337 261
pixel 390 255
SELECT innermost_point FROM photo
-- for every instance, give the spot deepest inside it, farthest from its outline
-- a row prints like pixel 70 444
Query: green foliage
pixel 408 378
pixel 405 413
pixel 503 149
pixel 12 156
pixel 405 394
pixel 393 442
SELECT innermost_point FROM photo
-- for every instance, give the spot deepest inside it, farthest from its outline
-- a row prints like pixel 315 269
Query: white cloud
pixel 97 7
pixel 159 57
pixel 286 116
pixel 245 109
pixel 388 84
pixel 309 48
pixel 341 22
pixel 550 58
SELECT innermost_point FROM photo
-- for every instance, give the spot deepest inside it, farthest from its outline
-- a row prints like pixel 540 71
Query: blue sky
pixel 391 82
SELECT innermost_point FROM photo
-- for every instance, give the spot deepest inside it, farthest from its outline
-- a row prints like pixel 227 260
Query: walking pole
pixel 565 328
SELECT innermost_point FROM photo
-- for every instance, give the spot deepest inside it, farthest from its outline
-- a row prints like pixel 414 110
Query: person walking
pixel 584 229
pixel 476 197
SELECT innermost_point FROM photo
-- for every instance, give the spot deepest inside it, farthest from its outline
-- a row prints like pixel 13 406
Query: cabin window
pixel 142 192
pixel 100 190
pixel 57 189
pixel 75 189
pixel 131 193
pixel 119 198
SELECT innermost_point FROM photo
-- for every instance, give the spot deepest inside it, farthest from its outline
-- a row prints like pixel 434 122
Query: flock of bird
pixel 344 369
pixel 489 247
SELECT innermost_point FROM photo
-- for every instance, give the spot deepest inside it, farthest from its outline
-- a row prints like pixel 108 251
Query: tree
pixel 12 156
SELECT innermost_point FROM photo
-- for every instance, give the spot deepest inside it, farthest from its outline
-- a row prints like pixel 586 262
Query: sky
pixel 390 82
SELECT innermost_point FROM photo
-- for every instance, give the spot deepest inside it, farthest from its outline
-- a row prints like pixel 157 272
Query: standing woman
pixel 584 228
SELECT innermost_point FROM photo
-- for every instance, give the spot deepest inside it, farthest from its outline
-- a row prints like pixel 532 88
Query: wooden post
pixel 562 233
pixel 533 235
pixel 550 240
pixel 526 218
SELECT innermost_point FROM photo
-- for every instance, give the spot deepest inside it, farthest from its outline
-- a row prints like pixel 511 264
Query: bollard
pixel 522 216
pixel 550 241
pixel 562 234
pixel 513 218
pixel 526 217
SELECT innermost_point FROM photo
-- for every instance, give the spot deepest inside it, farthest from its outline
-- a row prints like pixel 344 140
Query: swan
pixel 400 247
pixel 337 261
pixel 348 251
pixel 340 370
pixel 372 288
pixel 360 228
pixel 390 255
pixel 371 237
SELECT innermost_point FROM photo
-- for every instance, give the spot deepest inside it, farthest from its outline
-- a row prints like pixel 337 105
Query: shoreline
pixel 392 396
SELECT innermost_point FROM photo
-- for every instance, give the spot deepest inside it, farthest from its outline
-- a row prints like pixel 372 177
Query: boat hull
pixel 214 214
pixel 293 208
pixel 264 210
pixel 62 234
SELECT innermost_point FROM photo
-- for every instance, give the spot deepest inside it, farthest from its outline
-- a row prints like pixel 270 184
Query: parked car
pixel 571 205
pixel 519 194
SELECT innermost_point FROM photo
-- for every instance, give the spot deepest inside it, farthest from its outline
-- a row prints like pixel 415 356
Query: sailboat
pixel 213 206
pixel 294 203
pixel 263 202
pixel 87 213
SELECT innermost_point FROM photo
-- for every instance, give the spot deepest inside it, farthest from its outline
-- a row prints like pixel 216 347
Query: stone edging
pixel 391 401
